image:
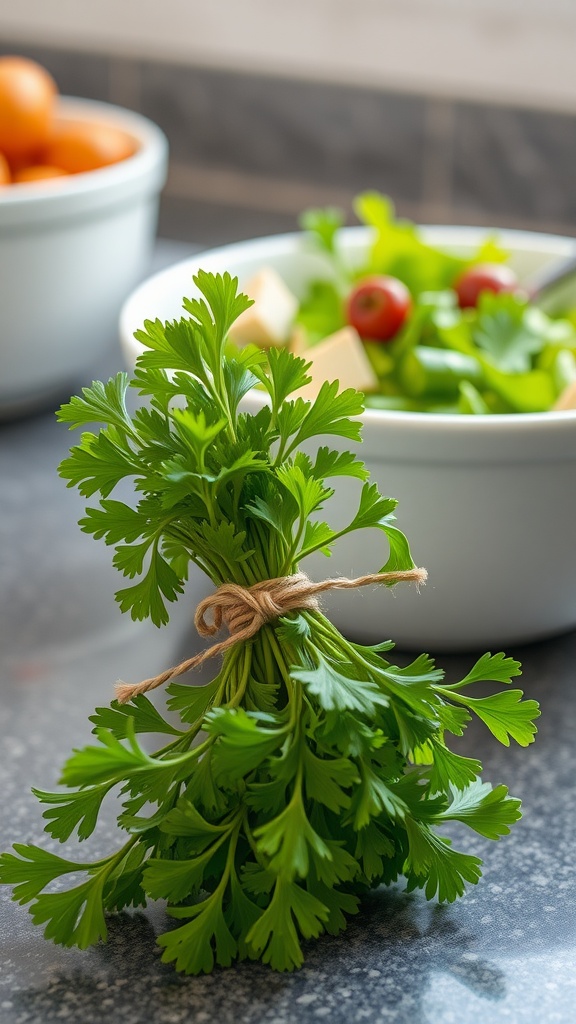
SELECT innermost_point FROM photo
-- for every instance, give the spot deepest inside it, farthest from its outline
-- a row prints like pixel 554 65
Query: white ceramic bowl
pixel 488 503
pixel 70 252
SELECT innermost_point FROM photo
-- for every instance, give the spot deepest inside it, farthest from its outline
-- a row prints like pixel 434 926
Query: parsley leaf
pixel 505 332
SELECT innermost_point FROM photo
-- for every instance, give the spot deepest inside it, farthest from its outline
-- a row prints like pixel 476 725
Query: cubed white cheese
pixel 340 356
pixel 298 343
pixel 567 399
pixel 268 322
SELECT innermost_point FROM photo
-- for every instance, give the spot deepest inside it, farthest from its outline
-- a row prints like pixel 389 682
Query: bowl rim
pixel 288 242
pixel 29 199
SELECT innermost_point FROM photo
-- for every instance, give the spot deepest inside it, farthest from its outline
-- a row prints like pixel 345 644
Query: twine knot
pixel 244 610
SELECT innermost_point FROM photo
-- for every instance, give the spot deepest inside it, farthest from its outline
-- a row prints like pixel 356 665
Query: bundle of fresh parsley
pixel 311 769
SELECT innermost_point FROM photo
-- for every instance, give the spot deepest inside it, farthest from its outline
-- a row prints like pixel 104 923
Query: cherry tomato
pixel 4 171
pixel 27 98
pixel 378 306
pixel 78 146
pixel 491 277
pixel 38 172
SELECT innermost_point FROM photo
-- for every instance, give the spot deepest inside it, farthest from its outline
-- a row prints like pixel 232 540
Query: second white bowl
pixel 488 503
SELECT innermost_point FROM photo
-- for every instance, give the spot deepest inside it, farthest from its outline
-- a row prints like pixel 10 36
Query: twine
pixel 244 610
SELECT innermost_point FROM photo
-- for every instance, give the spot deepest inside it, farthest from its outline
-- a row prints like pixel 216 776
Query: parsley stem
pixel 251 841
pixel 266 648
pixel 264 544
pixel 157 758
pixel 107 864
pixel 451 694
pixel 276 651
pixel 259 660
pixel 243 683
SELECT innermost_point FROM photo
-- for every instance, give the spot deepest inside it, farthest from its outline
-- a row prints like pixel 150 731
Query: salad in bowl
pixel 426 329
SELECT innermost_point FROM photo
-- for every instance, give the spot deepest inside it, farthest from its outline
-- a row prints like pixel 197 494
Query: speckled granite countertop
pixel 505 953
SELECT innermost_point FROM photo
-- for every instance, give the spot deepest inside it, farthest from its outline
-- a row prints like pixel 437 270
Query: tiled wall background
pixel 249 152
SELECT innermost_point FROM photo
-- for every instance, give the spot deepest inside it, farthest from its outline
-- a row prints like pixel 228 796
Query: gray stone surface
pixel 504 953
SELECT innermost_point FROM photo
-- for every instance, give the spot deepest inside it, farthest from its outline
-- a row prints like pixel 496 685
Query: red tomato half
pixel 378 306
pixel 484 277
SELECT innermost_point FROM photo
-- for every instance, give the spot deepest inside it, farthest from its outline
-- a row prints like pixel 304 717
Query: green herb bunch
pixel 311 769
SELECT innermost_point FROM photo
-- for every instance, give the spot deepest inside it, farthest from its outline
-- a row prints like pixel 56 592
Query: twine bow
pixel 244 610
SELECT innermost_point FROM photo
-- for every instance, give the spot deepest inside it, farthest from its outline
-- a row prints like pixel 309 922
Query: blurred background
pixel 463 111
